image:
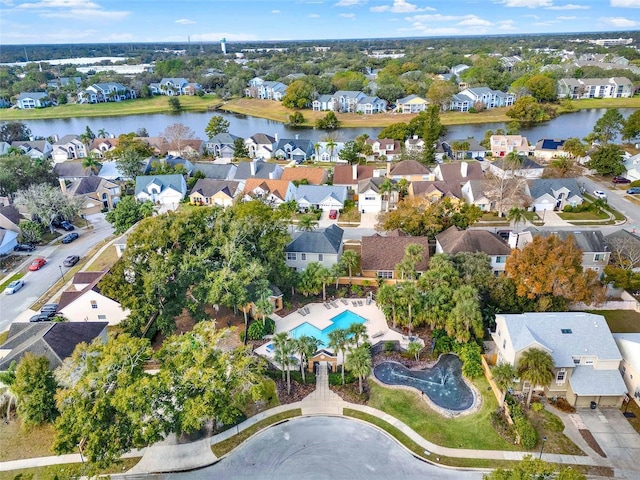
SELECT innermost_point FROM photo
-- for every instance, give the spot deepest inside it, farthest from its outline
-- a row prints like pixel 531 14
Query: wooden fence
pixel 487 362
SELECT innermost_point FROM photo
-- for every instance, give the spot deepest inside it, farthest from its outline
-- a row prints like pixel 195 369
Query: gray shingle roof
pixel 207 187
pixel 315 194
pixel 587 381
pixel 328 240
pixel 540 186
pixel 165 181
pixel 215 171
pixel 587 240
pixel 263 169
pixel 71 169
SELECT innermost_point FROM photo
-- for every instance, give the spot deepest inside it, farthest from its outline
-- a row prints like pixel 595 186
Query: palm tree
pixel 306 346
pixel 338 341
pixel 386 187
pixel 536 367
pixel 403 187
pixel 283 349
pixel 325 275
pixel 307 223
pixel 92 163
pixel 408 297
pixel 386 298
pixel 359 362
pixel 316 147
pixel 350 261
pixel 504 375
pixel 516 215
pixel 311 279
pixel 358 332
pixel 414 349
pixel 264 308
pixel 331 145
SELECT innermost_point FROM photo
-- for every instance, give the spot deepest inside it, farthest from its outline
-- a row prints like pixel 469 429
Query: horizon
pixel 44 22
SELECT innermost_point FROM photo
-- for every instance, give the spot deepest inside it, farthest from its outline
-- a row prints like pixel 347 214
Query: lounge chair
pixel 306 309
pixel 327 306
pixel 270 348
pixel 344 301
pixel 334 304
pixel 302 312
pixel 368 300
pixel 377 334
pixel 354 303
pixel 360 302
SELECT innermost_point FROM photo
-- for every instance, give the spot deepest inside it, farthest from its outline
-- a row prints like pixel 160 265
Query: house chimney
pixel 389 169
pixel 464 166
pixel 297 136
pixel 354 172
pixel 63 185
pixel 253 166
pixel 276 137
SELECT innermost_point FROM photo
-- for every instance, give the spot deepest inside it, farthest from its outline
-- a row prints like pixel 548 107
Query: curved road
pixel 322 447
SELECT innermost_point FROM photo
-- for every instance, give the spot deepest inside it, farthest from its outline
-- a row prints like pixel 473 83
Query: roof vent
pixel 566 331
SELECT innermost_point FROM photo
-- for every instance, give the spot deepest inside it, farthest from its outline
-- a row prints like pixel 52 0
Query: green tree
pixel 516 215
pixel 306 346
pixel 14 132
pixel 431 133
pixel 464 322
pixel 542 88
pixel 299 94
pixel 359 363
pixel 386 299
pixel 536 367
pixel 386 187
pixel 35 388
pixel 127 212
pixel 338 342
pixel 607 160
pixel 528 111
pixel 504 376
pixel 47 202
pixel 240 150
pixel 307 223
pixel 19 172
pixel 607 127
pixel 348 80
pixel 530 468
pixel 412 256
pixel 409 300
pixel 349 261
pixel 357 333
pixel 396 131
pixel 284 347
pixel 31 232
pixel 574 147
pixel 631 129
pixel 328 122
pixel 414 349
pixel 92 163
pixel 311 280
pixel 350 152
pixel 440 93
pixel 216 125
pixel 174 105
pixel 296 118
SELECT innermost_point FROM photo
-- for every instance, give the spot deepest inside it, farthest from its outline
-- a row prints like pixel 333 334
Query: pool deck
pixel 320 317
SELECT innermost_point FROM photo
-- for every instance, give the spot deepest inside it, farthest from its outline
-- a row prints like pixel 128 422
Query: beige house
pixel 585 356
pixel 380 255
pixel 97 193
pixel 409 170
pixel 503 145
pixel 629 345
pixel 208 191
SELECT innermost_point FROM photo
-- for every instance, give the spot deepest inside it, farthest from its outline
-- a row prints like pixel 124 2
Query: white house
pixel 323 246
pixel 324 197
pixel 260 145
pixel 525 168
pixel 69 147
pixel 371 199
pixel 551 193
pixel 36 149
pixel 488 98
pixel 577 88
pixel 165 190
pixel 473 194
pixel 632 166
pixel 629 346
pixel 28 100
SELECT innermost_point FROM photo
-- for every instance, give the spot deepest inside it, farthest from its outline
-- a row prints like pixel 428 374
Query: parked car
pixel 71 260
pixel 13 287
pixel 37 264
pixel 70 237
pixel 67 226
pixel 619 179
pixel 600 194
pixel 633 191
pixel 24 247
pixel 504 234
pixel 49 307
pixel 42 317
pixel 333 214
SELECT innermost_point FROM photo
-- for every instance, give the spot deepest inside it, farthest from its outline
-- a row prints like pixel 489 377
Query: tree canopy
pixel 607 160
pixel 19 172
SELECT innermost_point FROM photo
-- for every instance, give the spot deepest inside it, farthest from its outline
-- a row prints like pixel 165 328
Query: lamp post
pixel 544 439
pixel 61 273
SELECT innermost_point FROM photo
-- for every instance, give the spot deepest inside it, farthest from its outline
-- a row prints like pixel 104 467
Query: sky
pixel 115 21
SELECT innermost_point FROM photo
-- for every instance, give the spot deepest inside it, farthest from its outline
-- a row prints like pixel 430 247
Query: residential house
pixel 409 170
pixel 10 218
pixel 208 191
pixel 372 199
pixel 578 88
pixel 35 149
pixel 473 193
pixel 105 92
pixel 109 170
pixel 69 147
pixel 8 240
pixel 629 346
pixel 260 145
pixel 62 82
pixel 294 149
pixel 100 146
pixel 323 246
pixel 166 190
pixel 525 167
pixel 216 171
pixel 384 148
pixel 271 192
pixel 96 193
pixel 265 90
pixel 437 190
pixel 351 175
pixel 381 255
pixel 549 148
pixel 186 148
pixel 53 340
pixel 554 193
pixel 454 240
pixel 312 175
pixel 414 144
pixel 460 172
pixel 480 96
pixel 503 145
pixel 324 197
pixel 174 86
pixel 464 148
pixel 83 301
pixel 411 104
pixel 632 166
pixel 325 103
pixel 258 169
pixel 71 170
pixel 172 161
pixel 33 100
pixel 585 356
pixel 510 62
pixel 368 105
pixel 221 146
pixel 328 151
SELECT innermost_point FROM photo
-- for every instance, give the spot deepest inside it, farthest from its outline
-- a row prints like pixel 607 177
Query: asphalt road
pixel 618 199
pixel 38 282
pixel 319 448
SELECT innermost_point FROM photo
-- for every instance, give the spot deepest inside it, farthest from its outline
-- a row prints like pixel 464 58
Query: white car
pixel 600 194
pixel 13 287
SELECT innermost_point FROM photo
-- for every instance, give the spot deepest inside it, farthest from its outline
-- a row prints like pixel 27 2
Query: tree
pixel 35 388
pixel 87 137
pixel 307 223
pixel 386 299
pixel 296 118
pixel 240 150
pixel 216 125
pixel 542 88
pixel 516 215
pixel 530 468
pixel 359 363
pixel 396 131
pixel 14 132
pixel 328 122
pixel 625 251
pixel 350 152
pixel 174 105
pixel 528 111
pixel 432 130
pixel 412 256
pixel 284 348
pixel 92 163
pixel 357 333
pixel 440 93
pixel 299 94
pixel 127 212
pixel 176 134
pixel 349 261
pixel 574 147
pixel 607 127
pixel 409 300
pixel 8 378
pixel 505 192
pixel 306 347
pixel 536 367
pixel 47 203
pixel 338 342
pixel 414 349
pixel 607 160
pixel 311 281
pixel 31 232
pixel 631 129
pixel 504 375
pixel 465 319
pixel 386 187
pixel 18 172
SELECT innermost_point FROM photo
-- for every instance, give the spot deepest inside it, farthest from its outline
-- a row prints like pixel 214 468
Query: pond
pixel 442 383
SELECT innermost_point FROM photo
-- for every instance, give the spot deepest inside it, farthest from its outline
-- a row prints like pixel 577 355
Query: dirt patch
pixel 298 390
pixel 10 262
pixel 588 437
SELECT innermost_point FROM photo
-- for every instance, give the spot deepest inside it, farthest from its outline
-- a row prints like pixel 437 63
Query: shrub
pixel 537 407
pixel 270 326
pixel 335 378
pixel 256 330
pixel 499 422
pixel 567 209
pixel 528 434
pixel 472 361
pixel 357 290
pixel 635 183
pixel 389 347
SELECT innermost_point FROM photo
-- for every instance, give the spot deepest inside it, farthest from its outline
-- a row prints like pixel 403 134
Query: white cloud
pixel 88 13
pixel 527 3
pixel 184 21
pixel 474 21
pixel 73 9
pixel 437 17
pixel 625 3
pixel 350 3
pixel 400 6
pixel 619 22
pixel 567 18
pixel 348 15
pixel 84 4
pixel 275 12
pixel 569 6
pixel 506 26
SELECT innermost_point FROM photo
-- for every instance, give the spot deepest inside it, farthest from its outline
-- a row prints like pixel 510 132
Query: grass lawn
pixel 4 284
pixel 18 442
pixel 569 216
pixel 104 261
pixel 229 444
pixel 470 431
pixel 3 336
pixel 69 470
pixel 620 321
pixel 549 425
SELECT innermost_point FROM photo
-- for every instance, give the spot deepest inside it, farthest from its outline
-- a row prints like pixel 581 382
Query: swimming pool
pixel 343 320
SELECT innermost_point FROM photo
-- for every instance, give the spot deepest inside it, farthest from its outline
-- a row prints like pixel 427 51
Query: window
pixel 385 274
pixel 576 360
pixel 498 332
pixel 292 256
pixel 303 256
pixel 94 304
pixel 560 376
pixel 504 344
pixel 102 317
pixel 566 331
pixel 501 259
pixel 623 370
pixel 370 198
pixel 598 257
pixel 588 361
pixel 320 257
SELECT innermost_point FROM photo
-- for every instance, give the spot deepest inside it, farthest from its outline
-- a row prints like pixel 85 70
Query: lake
pixel 577 124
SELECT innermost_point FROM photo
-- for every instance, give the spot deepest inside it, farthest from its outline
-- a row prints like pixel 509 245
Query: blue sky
pixel 99 21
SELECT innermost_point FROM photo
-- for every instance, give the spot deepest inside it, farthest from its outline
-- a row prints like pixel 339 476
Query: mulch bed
pixel 350 392
pixel 298 391
pixel 588 437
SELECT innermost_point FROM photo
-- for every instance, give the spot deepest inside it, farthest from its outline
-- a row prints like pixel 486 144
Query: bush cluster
pixel 499 422
pixel 526 431
pixel 335 378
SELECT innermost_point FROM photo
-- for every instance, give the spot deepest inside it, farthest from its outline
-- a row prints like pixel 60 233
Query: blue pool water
pixel 344 320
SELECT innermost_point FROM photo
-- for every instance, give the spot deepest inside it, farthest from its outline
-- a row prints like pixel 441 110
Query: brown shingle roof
pixel 409 167
pixel 315 175
pixel 384 253
pixel 453 240
pixel 452 172
pixel 448 189
pixel 208 187
pixel 343 174
pixel 11 213
pixel 275 187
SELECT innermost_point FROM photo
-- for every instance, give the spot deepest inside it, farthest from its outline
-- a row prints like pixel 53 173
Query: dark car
pixel 49 307
pixel 621 180
pixel 71 260
pixel 504 234
pixel 67 226
pixel 24 247
pixel 42 317
pixel 70 238
pixel 633 191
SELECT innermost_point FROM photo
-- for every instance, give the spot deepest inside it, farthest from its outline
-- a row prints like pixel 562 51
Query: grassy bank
pixel 138 106
pixel 67 470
